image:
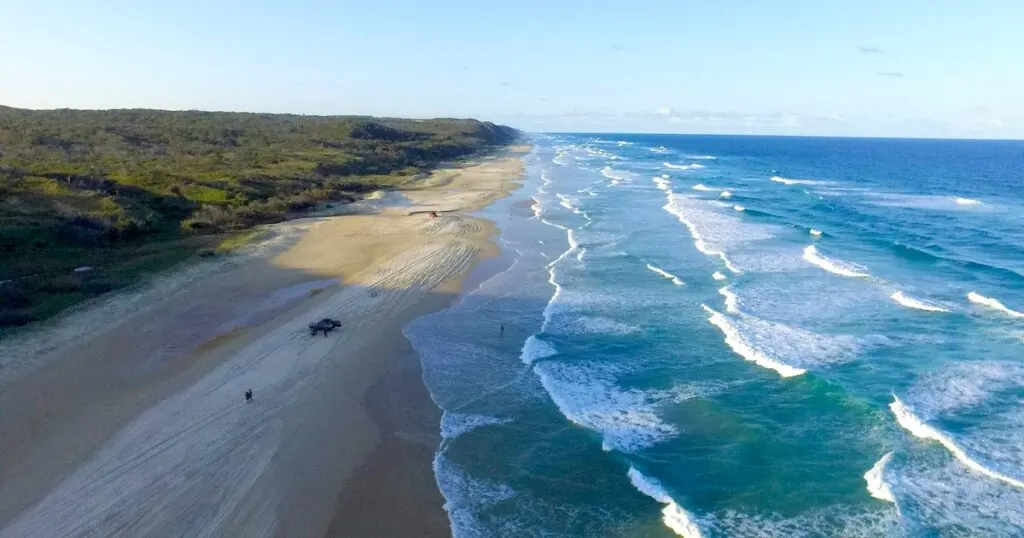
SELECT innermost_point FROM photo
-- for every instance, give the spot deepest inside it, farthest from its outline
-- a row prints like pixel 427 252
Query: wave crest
pixel 992 303
pixel 812 255
pixel 691 166
pixel 906 418
pixel 917 304
pixel 674 516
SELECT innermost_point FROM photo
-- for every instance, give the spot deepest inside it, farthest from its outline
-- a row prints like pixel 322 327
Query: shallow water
pixel 832 348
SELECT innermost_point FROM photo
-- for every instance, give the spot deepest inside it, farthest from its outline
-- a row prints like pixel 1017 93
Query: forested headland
pixel 126 192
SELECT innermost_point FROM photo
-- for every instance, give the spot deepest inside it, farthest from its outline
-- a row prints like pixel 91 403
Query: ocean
pixel 711 336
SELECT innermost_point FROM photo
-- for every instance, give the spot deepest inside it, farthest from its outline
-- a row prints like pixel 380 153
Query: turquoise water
pixel 741 336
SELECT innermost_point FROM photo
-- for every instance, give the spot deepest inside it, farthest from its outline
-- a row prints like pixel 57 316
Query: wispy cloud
pixel 870 50
pixel 891 74
pixel 665 111
pixel 505 84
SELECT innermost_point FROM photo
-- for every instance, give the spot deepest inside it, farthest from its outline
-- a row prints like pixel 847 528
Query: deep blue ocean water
pixel 741 336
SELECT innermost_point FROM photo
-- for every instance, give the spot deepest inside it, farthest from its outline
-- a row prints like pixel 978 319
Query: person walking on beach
pixel 501 332
pixel 248 396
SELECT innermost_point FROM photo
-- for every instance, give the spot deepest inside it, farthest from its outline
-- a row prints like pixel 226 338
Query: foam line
pixel 674 516
pixel 919 428
pixel 990 302
pixel 812 255
pixel 917 304
pixel 675 280
pixel 744 349
pixel 875 477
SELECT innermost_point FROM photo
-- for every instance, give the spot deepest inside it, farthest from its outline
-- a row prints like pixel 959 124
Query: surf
pixel 788 181
pixel 692 166
pixel 875 478
pixel 992 303
pixel 917 427
pixel 673 516
pixel 732 301
pixel 917 304
pixel 735 340
pixel 698 240
pixel 812 255
pixel 658 270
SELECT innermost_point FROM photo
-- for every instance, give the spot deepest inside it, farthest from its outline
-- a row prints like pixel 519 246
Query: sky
pixel 938 68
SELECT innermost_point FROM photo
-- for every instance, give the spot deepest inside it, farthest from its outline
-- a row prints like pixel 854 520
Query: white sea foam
pixel 875 477
pixel 534 349
pixel 698 240
pixel 918 304
pixel 466 495
pixel 674 516
pixel 691 166
pixel 739 208
pixel 580 325
pixel 662 184
pixel 995 304
pixel 906 418
pixel 967 201
pixel 732 301
pixel 726 194
pixel 588 394
pixel 666 176
pixel 675 280
pixel 963 385
pixel 815 232
pixel 812 255
pixel 701 157
pixel 615 175
pixel 788 181
pixel 745 349
pixel 703 187
pixel 718 276
pixel 456 424
pixel 659 149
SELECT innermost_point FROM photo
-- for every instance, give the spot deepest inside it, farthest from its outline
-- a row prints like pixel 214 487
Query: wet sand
pixel 133 423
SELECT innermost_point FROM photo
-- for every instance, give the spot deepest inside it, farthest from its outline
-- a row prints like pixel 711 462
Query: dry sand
pixel 127 419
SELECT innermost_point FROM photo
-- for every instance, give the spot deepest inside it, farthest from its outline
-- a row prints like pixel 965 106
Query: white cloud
pixel 665 111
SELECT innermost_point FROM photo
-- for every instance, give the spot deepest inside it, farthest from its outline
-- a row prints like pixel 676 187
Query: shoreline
pixel 362 410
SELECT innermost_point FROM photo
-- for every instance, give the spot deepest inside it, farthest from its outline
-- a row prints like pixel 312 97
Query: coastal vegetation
pixel 91 200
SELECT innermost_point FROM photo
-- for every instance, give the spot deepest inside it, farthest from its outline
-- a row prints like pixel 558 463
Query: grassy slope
pixel 133 191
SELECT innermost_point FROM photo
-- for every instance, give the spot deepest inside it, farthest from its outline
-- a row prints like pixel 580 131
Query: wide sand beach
pixel 127 417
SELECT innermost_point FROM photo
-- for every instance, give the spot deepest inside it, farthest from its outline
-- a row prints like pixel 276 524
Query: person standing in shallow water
pixel 248 395
pixel 501 331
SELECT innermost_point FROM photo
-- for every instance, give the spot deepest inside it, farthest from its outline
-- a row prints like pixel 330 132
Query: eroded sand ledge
pixel 137 426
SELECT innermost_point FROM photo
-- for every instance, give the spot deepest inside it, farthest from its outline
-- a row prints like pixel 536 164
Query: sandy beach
pixel 128 418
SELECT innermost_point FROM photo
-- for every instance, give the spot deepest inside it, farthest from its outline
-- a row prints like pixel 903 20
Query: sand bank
pixel 129 418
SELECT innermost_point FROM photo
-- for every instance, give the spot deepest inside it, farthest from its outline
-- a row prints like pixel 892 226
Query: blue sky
pixel 863 68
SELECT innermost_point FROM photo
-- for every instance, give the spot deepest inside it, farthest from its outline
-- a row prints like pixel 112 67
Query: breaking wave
pixel 812 255
pixel 675 280
pixel 918 304
pixel 875 477
pixel 732 301
pixel 995 304
pixel 906 418
pixel 788 181
pixel 967 201
pixel 735 340
pixel 692 166
pixel 674 516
